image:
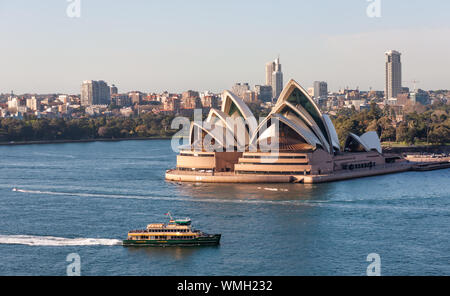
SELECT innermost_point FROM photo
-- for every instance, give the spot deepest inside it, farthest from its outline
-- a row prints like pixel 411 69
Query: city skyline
pixel 176 46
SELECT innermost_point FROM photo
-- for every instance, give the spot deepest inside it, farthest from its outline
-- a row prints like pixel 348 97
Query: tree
pixel 104 132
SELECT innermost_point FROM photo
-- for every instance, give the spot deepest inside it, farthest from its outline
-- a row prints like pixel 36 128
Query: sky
pixel 176 45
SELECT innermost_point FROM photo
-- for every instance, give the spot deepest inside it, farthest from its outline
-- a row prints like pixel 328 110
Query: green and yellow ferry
pixel 178 232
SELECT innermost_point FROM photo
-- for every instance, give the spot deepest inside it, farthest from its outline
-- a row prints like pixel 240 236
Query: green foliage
pixel 34 129
pixel 432 126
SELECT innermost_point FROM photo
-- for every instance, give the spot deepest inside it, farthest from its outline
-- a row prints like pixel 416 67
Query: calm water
pixel 83 198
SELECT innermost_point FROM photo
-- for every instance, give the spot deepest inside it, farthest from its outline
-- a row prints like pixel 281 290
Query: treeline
pixel 38 129
pixel 431 125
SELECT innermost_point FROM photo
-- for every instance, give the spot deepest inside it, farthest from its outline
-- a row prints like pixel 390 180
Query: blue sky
pixel 152 45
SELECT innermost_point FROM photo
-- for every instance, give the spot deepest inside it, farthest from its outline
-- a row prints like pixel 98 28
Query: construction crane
pixel 414 82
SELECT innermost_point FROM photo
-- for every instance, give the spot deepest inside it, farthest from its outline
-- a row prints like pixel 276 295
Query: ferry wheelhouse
pixel 178 232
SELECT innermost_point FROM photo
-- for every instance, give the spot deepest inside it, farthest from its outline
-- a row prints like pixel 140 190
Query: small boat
pixel 15 189
pixel 178 232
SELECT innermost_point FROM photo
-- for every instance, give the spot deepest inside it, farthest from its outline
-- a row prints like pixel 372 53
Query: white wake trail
pixel 168 198
pixel 52 241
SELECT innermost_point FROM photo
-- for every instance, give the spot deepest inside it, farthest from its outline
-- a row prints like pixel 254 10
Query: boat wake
pixel 167 198
pixel 52 241
pixel 338 203
pixel 274 189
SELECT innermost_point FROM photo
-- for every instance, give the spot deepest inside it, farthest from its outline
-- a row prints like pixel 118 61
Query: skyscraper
pixel 95 93
pixel 274 77
pixel 393 74
pixel 270 67
pixel 277 79
pixel 320 89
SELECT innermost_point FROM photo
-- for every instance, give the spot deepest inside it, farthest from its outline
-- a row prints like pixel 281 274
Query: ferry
pixel 178 232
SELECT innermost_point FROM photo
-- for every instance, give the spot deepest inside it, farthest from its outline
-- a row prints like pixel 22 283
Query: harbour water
pixel 83 198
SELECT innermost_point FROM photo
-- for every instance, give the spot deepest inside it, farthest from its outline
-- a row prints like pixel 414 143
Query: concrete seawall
pixel 388 169
pixel 183 176
pixel 174 175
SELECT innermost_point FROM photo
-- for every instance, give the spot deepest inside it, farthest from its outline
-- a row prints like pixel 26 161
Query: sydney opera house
pixel 295 143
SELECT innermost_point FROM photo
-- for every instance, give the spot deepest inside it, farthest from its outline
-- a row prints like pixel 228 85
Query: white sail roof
pixel 219 133
pixel 372 141
pixel 231 102
pixel 332 131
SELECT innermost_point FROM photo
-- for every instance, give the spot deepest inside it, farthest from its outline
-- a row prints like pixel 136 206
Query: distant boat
pixel 15 189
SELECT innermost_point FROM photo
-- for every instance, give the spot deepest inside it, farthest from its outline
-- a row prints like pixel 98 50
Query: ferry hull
pixel 201 241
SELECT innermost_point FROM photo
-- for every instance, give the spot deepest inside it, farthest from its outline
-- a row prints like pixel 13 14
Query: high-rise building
pixel 33 104
pixel 250 97
pixel 209 100
pixel 277 79
pixel 320 89
pixel 264 92
pixel 191 100
pixel 13 103
pixel 393 74
pixel 239 89
pixel 172 104
pixel 136 97
pixel 270 67
pixel 420 96
pixel 121 100
pixel 95 93
pixel 189 94
pixel 114 90
pixel 274 77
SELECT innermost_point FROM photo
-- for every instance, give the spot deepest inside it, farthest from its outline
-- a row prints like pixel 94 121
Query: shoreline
pixel 386 149
pixel 42 142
